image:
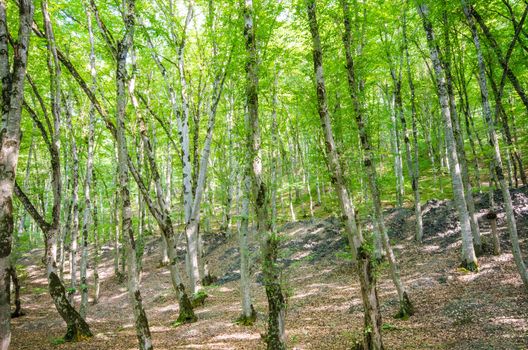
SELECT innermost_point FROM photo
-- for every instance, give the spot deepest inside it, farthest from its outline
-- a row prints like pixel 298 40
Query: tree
pixel 11 108
pixel 372 333
pixel 469 259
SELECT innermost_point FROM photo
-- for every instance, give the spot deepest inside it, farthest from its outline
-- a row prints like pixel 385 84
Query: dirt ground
pixel 454 309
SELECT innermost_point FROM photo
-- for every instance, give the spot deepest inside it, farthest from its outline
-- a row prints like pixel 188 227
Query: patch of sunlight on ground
pixel 295 232
pixel 167 308
pixel 301 255
pixel 237 336
pixel 160 329
pixel 216 346
pixel 517 323
pixel 317 231
pixel 332 308
pixel 431 248
pixel 305 294
pixel 116 297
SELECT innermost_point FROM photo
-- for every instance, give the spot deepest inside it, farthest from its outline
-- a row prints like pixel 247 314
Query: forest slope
pixel 454 309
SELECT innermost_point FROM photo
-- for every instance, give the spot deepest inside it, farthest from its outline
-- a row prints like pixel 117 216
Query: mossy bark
pixel 276 303
pixel 372 316
pixel 16 284
pixel 245 320
pixel 186 310
pixel 77 328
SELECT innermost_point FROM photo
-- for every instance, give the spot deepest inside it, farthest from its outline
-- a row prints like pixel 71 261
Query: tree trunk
pixel 469 259
pixel 459 142
pixel 97 245
pixel 123 47
pixel 414 168
pixel 248 315
pixel 365 269
pixel 275 337
pixel 494 142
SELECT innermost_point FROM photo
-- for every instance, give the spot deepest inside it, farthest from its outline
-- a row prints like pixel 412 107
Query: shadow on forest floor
pixel 454 309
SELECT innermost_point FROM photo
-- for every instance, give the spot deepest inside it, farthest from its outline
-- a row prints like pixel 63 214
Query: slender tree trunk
pixel 469 259
pixel 75 214
pixel 498 52
pixel 372 316
pixel 161 213
pixel 355 90
pixel 494 142
pixel 77 328
pixel 97 246
pixel 459 142
pixel 226 221
pixel 123 47
pixel 414 168
pixel 248 315
pixel 275 337
pixel 396 150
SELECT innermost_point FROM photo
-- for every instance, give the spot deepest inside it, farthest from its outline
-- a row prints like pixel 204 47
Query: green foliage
pixel 198 298
pixel 39 290
pixel 344 255
pixel 57 341
pixel 389 327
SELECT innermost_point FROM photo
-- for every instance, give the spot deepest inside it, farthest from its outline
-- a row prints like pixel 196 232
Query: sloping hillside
pixel 454 309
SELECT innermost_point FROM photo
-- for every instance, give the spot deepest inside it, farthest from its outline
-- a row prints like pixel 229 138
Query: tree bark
pixel 372 316
pixel 459 142
pixel 275 337
pixel 413 164
pixel 494 142
pixel 122 50
pixel 11 98
pixel 469 259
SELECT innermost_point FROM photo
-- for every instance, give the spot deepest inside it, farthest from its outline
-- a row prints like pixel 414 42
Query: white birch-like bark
pixel 494 142
pixel 469 259
pixel 122 51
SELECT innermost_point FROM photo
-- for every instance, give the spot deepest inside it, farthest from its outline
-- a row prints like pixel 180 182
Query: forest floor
pixel 454 309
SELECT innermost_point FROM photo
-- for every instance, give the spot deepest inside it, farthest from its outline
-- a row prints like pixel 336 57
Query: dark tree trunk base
pixel 78 332
pixel 470 266
pixel 209 280
pixel 78 329
pixel 186 310
pixel 16 284
pixel 406 308
pixel 479 250
pixel 244 320
pixel 276 302
pixel 121 278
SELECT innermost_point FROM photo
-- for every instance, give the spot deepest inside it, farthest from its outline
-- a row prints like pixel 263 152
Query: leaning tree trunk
pixel 123 47
pixel 161 211
pixel 459 143
pixel 372 316
pixel 406 307
pixel 77 328
pixel 494 142
pixel 275 337
pixel 469 259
